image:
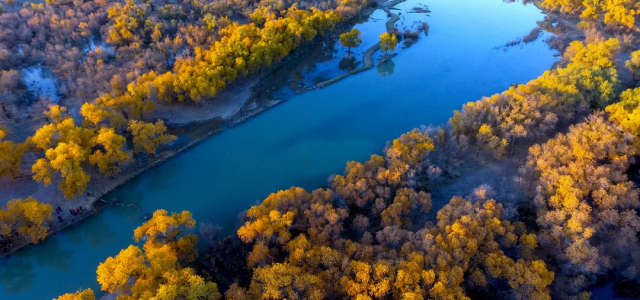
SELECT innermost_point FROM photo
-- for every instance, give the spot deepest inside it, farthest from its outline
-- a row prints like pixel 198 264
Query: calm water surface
pixel 41 82
pixel 302 141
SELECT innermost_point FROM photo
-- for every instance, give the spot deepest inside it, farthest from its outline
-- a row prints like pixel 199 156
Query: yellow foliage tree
pixel 27 217
pixel 56 113
pixel 626 113
pixel 79 295
pixel 93 114
pixel 111 153
pixel 10 155
pixel 388 42
pixel 633 64
pixel 148 136
pixel 350 39
pixel 65 158
pixel 284 281
pixel 489 142
pixel 156 272
pixel 366 282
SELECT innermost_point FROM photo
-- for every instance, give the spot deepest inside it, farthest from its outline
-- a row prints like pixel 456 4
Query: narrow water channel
pixel 302 141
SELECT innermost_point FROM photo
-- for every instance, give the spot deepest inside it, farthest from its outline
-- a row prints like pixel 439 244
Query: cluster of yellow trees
pixel 616 13
pixel 241 50
pixel 25 218
pixel 68 148
pixel 367 235
pixel 587 205
pixel 156 269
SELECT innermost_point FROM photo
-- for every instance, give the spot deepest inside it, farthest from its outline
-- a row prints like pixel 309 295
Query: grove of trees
pixel 617 14
pixel 115 61
pixel 371 233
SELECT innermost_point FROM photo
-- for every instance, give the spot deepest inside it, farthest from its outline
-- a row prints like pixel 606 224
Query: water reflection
pixel 16 274
pixel 40 81
pixel 74 236
pixel 348 63
pixel 162 183
pixel 386 68
pixel 55 256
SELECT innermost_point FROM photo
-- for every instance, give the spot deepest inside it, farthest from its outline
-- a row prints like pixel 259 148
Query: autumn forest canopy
pixel 569 222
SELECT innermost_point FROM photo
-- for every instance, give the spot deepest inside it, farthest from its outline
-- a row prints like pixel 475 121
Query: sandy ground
pixel 19 4
pixel 225 105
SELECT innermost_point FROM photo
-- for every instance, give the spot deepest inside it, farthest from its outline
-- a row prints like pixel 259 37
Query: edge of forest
pixel 210 127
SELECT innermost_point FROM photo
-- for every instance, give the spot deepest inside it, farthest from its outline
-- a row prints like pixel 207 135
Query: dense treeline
pixel 364 238
pixel 242 49
pixel 533 110
pixel 68 147
pixel 616 14
pixel 115 60
pixel 370 233
pixel 586 204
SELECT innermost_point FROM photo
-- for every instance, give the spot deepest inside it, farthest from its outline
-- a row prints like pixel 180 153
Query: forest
pixel 115 62
pixel 373 232
pixel 165 52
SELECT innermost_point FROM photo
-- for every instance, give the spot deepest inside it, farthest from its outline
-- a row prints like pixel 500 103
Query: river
pixel 303 140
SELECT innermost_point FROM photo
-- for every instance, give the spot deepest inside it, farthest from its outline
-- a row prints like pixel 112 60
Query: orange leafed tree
pixel 156 271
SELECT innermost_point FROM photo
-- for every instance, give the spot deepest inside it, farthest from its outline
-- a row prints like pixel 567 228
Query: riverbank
pixel 240 102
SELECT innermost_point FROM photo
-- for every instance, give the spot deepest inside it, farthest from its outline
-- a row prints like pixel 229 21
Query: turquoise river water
pixel 303 140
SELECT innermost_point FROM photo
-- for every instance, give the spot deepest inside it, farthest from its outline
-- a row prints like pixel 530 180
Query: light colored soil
pixel 225 105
